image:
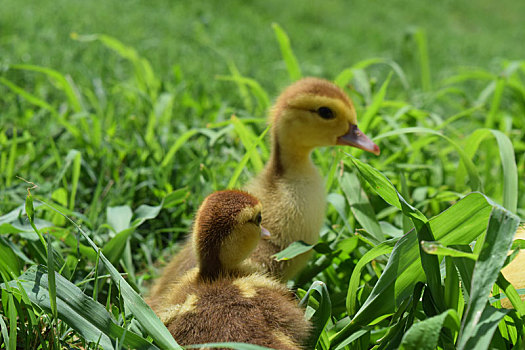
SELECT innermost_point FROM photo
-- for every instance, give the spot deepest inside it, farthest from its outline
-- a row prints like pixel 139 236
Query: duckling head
pixel 227 229
pixel 313 113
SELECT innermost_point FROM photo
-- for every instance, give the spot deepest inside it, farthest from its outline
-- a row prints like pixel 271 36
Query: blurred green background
pixel 327 36
pixel 126 132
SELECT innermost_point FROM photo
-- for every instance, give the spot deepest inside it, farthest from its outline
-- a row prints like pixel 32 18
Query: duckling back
pixel 250 309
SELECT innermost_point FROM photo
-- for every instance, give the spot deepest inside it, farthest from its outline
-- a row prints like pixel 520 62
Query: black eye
pixel 326 113
pixel 258 219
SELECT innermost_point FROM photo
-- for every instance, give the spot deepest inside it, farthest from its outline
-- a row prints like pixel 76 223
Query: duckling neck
pixel 287 159
pixel 211 272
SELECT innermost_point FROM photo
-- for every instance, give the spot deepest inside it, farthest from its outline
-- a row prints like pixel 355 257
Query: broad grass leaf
pixel 360 205
pixel 114 249
pixel 321 315
pixel 384 188
pixel 424 335
pixel 356 335
pixel 12 315
pixel 9 264
pixel 452 284
pixel 351 296
pixel 292 65
pixel 89 318
pixel 498 240
pixel 508 163
pixel 387 191
pixel 13 214
pixel 436 248
pixel 511 294
pixel 510 171
pixel 484 330
pixel 119 218
pixel 145 212
pixel 339 203
pixel 122 217
pixel 294 249
pixel 5 335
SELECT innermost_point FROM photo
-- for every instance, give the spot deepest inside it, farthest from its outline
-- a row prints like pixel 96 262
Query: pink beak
pixel 355 138
pixel 265 234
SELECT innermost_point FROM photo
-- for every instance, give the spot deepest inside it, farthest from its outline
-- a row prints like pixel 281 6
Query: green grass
pixel 126 132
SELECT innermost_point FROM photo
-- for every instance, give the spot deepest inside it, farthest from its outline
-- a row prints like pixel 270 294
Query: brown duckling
pixel 224 299
pixel 310 113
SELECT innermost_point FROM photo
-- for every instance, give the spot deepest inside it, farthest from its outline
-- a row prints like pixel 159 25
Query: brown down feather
pixel 217 303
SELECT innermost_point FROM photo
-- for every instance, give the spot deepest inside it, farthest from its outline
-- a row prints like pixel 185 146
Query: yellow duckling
pixel 308 114
pixel 224 299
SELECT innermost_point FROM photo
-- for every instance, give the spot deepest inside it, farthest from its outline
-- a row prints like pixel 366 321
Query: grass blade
pixel 88 317
pixel 488 321
pixel 381 249
pixel 475 181
pixel 286 51
pixel 436 248
pixel 460 224
pixel 510 171
pixel 498 240
pixel 294 249
pixel 371 111
pixel 424 335
pixel 61 81
pixel 12 315
pixel 360 205
pixel 134 302
pixel 181 140
pixel 424 63
pixel 321 315
pixel 244 161
pixel 29 97
pixel 75 175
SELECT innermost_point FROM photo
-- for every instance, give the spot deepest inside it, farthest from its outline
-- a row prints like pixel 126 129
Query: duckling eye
pixel 326 113
pixel 258 219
